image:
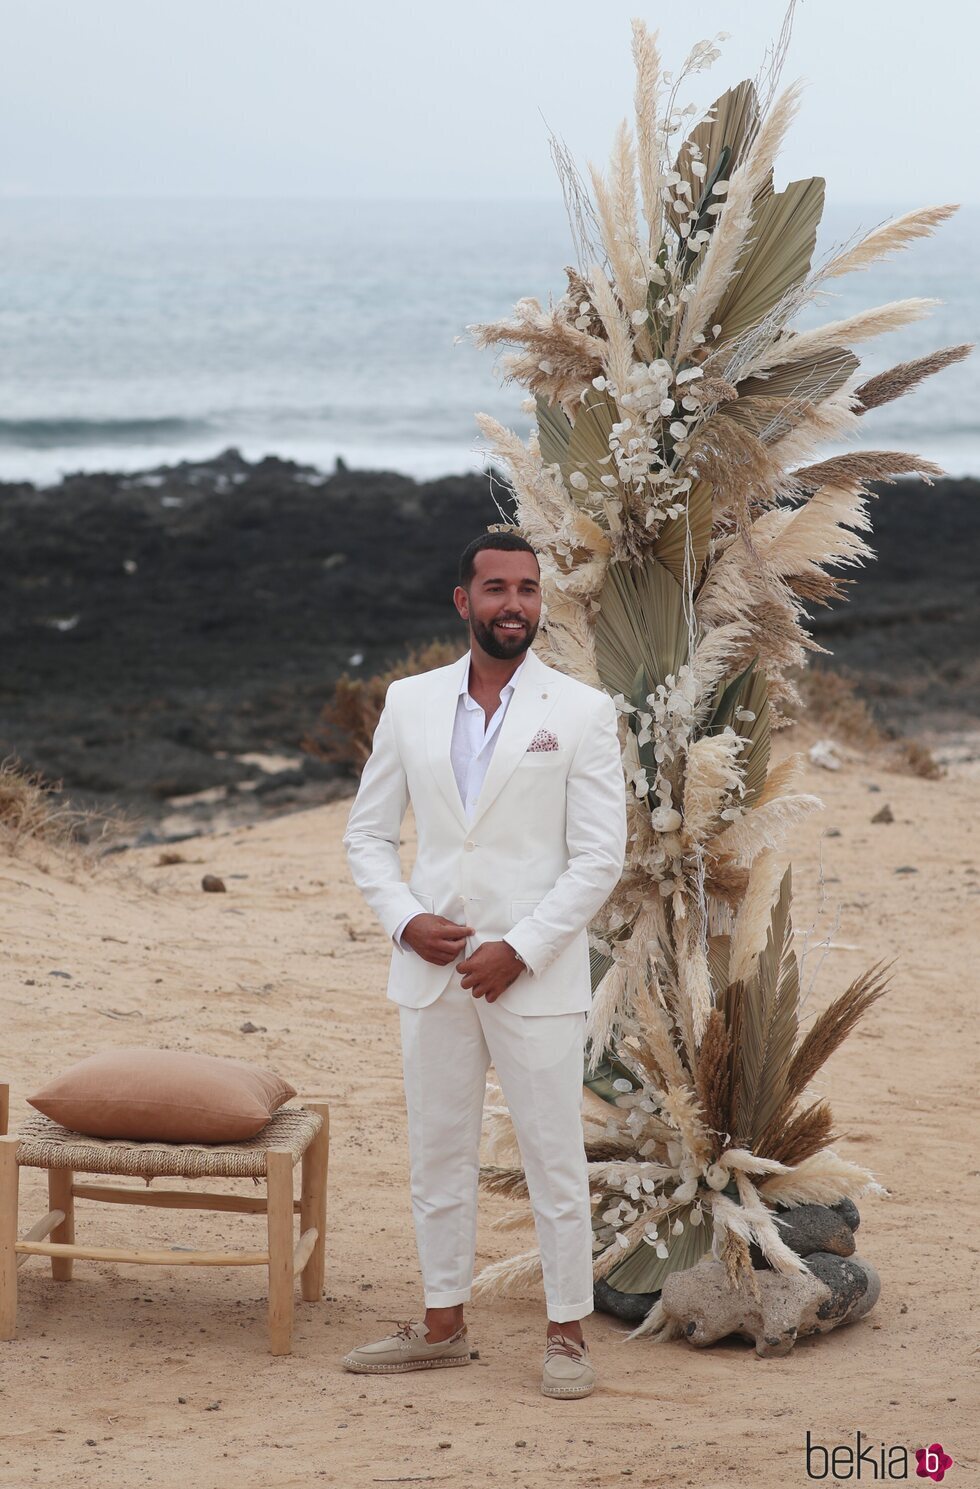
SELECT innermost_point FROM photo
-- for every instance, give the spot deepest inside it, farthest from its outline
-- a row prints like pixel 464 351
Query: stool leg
pixel 279 1189
pixel 60 1197
pixel 313 1203
pixel 8 1237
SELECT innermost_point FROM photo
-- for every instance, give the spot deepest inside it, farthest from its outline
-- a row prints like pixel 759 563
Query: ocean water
pixel 137 333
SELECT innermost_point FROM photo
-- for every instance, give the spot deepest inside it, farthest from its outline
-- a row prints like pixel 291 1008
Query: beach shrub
pixel 345 728
pixel 832 700
pixel 30 808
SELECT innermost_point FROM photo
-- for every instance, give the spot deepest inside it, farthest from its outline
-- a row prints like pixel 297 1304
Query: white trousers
pixel 447 1048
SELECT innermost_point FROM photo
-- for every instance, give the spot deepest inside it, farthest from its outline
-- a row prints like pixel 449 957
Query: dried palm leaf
pixel 641 1270
pixel 641 623
pixel 744 707
pixel 797 378
pixel 721 138
pixel 777 256
pixel 769 1005
pixel 681 544
pixel 720 261
pixel 719 959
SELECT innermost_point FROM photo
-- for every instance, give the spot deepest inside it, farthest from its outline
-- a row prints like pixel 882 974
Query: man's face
pixel 503 604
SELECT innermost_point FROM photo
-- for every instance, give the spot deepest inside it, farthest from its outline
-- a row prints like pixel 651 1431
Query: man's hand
pixel 491 970
pixel 435 938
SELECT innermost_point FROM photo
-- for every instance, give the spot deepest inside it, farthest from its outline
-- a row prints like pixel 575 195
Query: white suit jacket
pixel 544 849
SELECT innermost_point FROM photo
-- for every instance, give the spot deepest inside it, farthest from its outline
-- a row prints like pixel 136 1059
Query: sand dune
pixel 136 953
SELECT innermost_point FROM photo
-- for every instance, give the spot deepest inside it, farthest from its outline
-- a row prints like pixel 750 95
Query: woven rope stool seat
pixel 295 1135
pixel 46 1144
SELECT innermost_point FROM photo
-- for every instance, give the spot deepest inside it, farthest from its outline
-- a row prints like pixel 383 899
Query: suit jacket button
pixel 469 846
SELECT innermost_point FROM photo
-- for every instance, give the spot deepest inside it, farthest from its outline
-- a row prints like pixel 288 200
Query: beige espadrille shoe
pixel 568 1371
pixel 408 1349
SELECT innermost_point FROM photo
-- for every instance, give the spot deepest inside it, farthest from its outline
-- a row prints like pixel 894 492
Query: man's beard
pixel 496 644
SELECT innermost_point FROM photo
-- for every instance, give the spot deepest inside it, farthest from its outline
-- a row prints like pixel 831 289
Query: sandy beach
pixel 143 1376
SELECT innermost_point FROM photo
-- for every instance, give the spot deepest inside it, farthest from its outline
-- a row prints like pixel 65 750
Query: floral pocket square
pixel 543 740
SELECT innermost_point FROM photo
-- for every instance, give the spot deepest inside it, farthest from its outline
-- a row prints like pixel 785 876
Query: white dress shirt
pixel 471 751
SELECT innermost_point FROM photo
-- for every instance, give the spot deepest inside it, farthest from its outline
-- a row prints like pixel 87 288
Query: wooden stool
pixel 294 1133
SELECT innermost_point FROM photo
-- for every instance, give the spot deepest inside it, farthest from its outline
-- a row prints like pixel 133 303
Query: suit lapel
pixel 440 716
pixel 531 702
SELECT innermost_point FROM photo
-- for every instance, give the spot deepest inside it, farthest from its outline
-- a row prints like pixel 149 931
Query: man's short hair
pixel 510 542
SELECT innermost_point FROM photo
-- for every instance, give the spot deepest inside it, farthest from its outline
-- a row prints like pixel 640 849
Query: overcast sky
pixel 444 99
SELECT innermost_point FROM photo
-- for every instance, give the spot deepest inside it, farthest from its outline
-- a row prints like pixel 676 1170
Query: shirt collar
pixel 508 687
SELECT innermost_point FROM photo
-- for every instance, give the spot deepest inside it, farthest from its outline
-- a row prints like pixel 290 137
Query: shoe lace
pixel 404 1330
pixel 559 1344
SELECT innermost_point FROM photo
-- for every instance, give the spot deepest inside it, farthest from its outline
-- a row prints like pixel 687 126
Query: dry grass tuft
pixel 832 701
pixel 920 760
pixel 344 732
pixel 30 811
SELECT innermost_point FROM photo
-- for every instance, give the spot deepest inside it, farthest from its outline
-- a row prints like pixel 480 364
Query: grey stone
pixel 704 1306
pixel 848 1280
pixel 809 1228
pixel 632 1307
pixel 848 1211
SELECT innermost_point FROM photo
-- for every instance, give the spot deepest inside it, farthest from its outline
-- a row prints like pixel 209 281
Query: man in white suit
pixel 515 777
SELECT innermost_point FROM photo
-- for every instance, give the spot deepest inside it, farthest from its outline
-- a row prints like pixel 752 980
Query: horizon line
pixel 379 200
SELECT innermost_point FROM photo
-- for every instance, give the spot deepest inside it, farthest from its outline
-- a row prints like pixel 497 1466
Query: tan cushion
pixel 172 1096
